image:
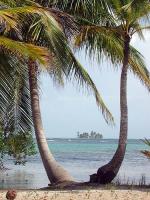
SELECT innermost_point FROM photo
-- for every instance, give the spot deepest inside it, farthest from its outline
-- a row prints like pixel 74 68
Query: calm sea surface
pixel 81 158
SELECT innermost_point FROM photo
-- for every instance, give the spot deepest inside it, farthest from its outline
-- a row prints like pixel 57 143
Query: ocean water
pixel 81 158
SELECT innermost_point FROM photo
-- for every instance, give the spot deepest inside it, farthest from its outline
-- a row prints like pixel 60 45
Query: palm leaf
pixel 145 152
pixel 23 49
pixel 138 67
pixel 14 95
pixel 48 32
pixel 9 16
pixel 102 43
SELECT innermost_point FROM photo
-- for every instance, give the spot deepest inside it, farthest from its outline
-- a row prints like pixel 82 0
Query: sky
pixel 65 111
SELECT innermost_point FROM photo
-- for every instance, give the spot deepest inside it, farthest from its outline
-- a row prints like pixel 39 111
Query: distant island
pixel 91 135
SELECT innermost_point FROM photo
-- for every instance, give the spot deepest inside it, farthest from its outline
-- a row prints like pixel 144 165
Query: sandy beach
pixel 81 194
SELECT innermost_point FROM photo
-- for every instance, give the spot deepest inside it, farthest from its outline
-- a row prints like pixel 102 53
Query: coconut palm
pixel 10 52
pixel 65 63
pixel 13 52
pixel 15 110
pixel 127 19
pixel 45 29
pixel 107 30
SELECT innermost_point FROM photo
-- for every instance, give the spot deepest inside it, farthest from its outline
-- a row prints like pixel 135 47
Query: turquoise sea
pixel 81 158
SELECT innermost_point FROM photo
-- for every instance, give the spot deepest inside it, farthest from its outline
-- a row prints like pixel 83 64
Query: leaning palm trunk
pixel 108 172
pixel 55 172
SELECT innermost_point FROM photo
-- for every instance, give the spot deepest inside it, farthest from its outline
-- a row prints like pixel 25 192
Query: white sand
pixel 81 195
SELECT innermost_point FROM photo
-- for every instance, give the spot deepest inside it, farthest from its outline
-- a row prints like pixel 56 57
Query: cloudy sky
pixel 69 110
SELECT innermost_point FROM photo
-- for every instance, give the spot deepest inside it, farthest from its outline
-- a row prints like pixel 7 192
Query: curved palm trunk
pixel 55 172
pixel 107 173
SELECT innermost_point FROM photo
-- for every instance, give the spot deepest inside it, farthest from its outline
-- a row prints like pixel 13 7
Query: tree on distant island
pixel 91 135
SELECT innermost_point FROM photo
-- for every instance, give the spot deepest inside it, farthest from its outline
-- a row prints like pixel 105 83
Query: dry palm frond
pixel 145 152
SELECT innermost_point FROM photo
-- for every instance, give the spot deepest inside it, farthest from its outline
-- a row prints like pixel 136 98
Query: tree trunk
pixel 55 172
pixel 108 172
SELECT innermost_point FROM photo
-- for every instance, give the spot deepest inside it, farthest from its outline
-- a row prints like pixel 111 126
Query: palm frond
pixel 145 152
pixel 138 67
pixel 14 95
pixel 8 3
pixel 27 50
pixel 104 44
pixel 81 76
pixel 9 16
pixel 55 40
pixel 100 43
pixel 146 141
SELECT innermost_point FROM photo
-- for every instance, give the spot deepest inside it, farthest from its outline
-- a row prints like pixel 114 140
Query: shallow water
pixel 81 158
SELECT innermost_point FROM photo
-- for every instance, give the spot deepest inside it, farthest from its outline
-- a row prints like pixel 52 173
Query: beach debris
pixel 146 153
pixel 93 178
pixel 11 194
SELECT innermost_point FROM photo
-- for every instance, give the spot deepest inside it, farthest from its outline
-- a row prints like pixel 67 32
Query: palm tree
pixel 65 63
pixel 12 53
pixel 107 29
pixel 46 30
pixel 15 110
pixel 127 20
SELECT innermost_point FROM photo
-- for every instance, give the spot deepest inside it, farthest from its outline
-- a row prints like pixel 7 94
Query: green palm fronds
pixel 23 49
pixel 104 38
pixel 32 31
pixel 14 95
pixel 48 31
pixel 101 43
pixel 9 16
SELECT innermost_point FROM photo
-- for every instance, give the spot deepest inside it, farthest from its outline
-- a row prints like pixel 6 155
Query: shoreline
pixel 81 159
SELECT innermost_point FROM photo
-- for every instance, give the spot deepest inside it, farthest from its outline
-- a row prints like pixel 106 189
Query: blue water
pixel 81 158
